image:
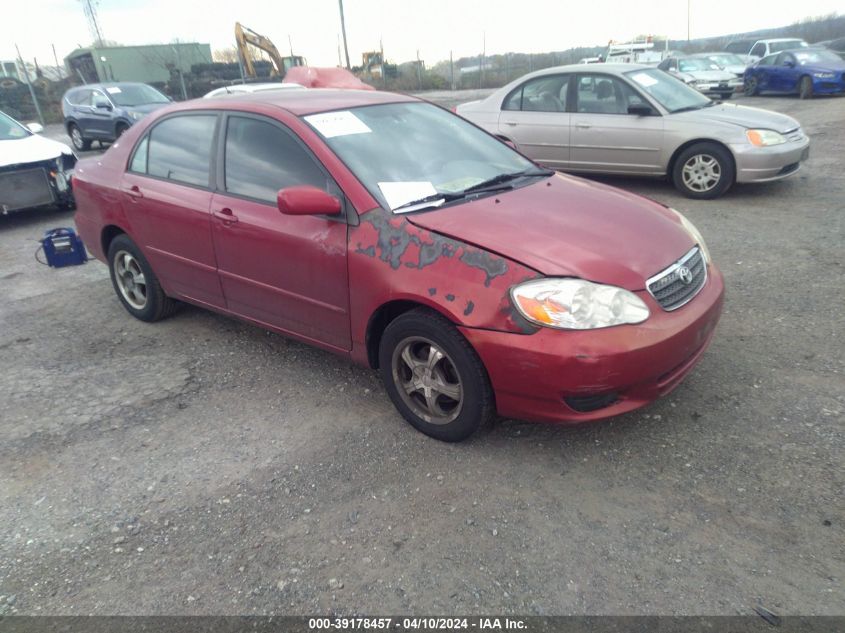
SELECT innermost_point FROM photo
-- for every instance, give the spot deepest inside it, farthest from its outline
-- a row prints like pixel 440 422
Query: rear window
pixel 180 149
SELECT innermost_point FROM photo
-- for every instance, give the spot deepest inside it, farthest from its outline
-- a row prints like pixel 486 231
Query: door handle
pixel 583 126
pixel 133 192
pixel 511 123
pixel 226 216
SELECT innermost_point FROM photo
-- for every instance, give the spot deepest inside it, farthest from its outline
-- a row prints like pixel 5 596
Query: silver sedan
pixel 637 120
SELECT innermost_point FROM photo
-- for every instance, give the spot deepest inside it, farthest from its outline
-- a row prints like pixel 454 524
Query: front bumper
pixel 829 85
pixel 539 376
pixel 728 86
pixel 763 164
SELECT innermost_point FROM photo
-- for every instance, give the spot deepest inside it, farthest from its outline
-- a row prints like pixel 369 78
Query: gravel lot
pixel 201 465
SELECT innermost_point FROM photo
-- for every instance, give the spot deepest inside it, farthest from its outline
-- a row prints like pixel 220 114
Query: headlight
pixel 135 115
pixel 694 233
pixel 575 304
pixel 764 138
pixel 824 75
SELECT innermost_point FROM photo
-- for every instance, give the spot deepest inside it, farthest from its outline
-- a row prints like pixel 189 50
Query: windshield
pixel 11 129
pixel 727 59
pixel 135 95
pixel 673 94
pixel 814 57
pixel 776 47
pixel 693 64
pixel 405 152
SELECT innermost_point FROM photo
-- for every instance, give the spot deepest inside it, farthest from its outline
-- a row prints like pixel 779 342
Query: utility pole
pixel 451 71
pixel 688 18
pixel 90 10
pixel 419 70
pixel 28 83
pixel 343 30
pixel 56 59
pixel 483 55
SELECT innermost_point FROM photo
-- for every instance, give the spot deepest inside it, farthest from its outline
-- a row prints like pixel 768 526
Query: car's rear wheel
pixel 752 88
pixel 704 171
pixel 135 283
pixel 434 377
pixel 805 88
pixel 81 144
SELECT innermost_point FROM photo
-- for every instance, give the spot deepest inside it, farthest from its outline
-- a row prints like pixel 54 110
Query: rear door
pixel 605 138
pixel 101 121
pixel 766 73
pixel 536 118
pixel 284 271
pixel 166 194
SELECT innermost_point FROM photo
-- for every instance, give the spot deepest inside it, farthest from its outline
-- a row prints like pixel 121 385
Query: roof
pixel 312 100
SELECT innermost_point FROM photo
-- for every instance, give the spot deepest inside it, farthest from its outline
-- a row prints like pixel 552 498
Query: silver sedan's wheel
pixel 427 380
pixel 130 280
pixel 702 173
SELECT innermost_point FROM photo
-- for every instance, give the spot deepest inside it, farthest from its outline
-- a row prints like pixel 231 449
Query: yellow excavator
pixel 246 38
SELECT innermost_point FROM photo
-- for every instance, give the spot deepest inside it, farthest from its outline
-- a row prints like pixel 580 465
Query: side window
pixel 80 97
pixel 768 61
pixel 545 94
pixel 180 148
pixel 513 100
pixel 261 158
pixel 139 158
pixel 98 97
pixel 759 50
pixel 604 94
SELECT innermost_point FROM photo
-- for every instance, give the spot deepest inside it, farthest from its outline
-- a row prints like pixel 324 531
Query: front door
pixel 166 195
pixel 605 137
pixel 535 118
pixel 288 272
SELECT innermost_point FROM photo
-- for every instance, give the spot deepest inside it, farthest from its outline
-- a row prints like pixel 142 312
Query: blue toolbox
pixel 63 247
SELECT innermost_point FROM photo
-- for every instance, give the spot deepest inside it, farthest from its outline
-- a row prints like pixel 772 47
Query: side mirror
pixel 789 64
pixel 307 200
pixel 35 128
pixel 509 143
pixel 102 105
pixel 640 110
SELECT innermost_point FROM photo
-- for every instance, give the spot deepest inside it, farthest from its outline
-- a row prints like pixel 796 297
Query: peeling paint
pixel 491 265
pixel 392 241
pixel 370 251
pixel 470 307
pixel 450 297
pixel 432 292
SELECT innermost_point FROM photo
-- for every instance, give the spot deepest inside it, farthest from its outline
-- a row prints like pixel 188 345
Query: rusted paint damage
pixel 370 251
pixel 470 307
pixel 450 297
pixel 492 266
pixel 432 292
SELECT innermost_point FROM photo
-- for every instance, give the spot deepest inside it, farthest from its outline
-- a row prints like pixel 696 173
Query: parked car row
pixel 805 71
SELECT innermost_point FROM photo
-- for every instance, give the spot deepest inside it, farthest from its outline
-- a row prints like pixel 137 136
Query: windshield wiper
pixel 434 200
pixel 501 179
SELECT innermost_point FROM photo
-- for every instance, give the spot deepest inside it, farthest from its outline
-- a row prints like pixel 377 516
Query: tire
pixel 135 283
pixel 704 171
pixel 752 88
pixel 119 129
pixel 805 87
pixel 725 96
pixel 441 359
pixel 79 143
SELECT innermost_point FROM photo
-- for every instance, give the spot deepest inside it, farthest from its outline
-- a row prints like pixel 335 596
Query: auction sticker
pixel 342 123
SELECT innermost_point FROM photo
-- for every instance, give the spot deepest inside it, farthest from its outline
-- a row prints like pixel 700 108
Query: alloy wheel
pixel 427 380
pixel 701 173
pixel 130 280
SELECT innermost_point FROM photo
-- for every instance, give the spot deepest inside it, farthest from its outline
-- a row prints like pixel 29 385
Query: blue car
pixel 806 71
pixel 102 112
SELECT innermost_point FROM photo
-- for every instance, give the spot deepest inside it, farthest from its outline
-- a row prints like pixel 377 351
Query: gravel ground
pixel 201 465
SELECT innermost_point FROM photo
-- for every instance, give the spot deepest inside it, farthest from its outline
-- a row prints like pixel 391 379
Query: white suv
pixel 763 48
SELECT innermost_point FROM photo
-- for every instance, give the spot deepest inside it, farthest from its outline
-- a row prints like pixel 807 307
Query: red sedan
pixel 391 231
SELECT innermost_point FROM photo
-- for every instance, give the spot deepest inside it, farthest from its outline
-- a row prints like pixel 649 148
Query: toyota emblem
pixel 685 275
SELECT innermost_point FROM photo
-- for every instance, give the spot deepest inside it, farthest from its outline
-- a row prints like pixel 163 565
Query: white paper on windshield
pixel 113 90
pixel 399 193
pixel 331 124
pixel 644 80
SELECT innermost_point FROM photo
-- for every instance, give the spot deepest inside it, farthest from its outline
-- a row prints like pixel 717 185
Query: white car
pixel 703 74
pixel 244 88
pixel 754 50
pixel 34 171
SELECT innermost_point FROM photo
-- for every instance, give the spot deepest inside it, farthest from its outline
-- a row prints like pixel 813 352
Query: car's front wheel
pixel 135 283
pixel 434 377
pixel 79 143
pixel 704 171
pixel 752 88
pixel 805 88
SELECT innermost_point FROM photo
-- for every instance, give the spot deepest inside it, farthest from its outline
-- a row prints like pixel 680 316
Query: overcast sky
pixel 434 27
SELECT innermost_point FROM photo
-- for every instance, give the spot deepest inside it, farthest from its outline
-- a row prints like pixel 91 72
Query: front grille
pixel 788 169
pixel 679 283
pixel 23 189
pixel 591 402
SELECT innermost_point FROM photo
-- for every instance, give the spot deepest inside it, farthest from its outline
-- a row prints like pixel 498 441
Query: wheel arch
pixel 670 169
pixel 69 122
pixel 383 316
pixel 107 235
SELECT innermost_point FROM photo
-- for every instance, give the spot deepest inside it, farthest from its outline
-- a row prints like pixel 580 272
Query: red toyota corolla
pixel 396 233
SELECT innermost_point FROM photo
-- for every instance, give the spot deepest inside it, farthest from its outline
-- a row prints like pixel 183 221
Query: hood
pixel 710 75
pixel 566 226
pixel 825 67
pixel 743 116
pixel 30 149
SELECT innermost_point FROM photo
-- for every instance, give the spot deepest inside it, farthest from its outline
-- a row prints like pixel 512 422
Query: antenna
pixel 90 9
